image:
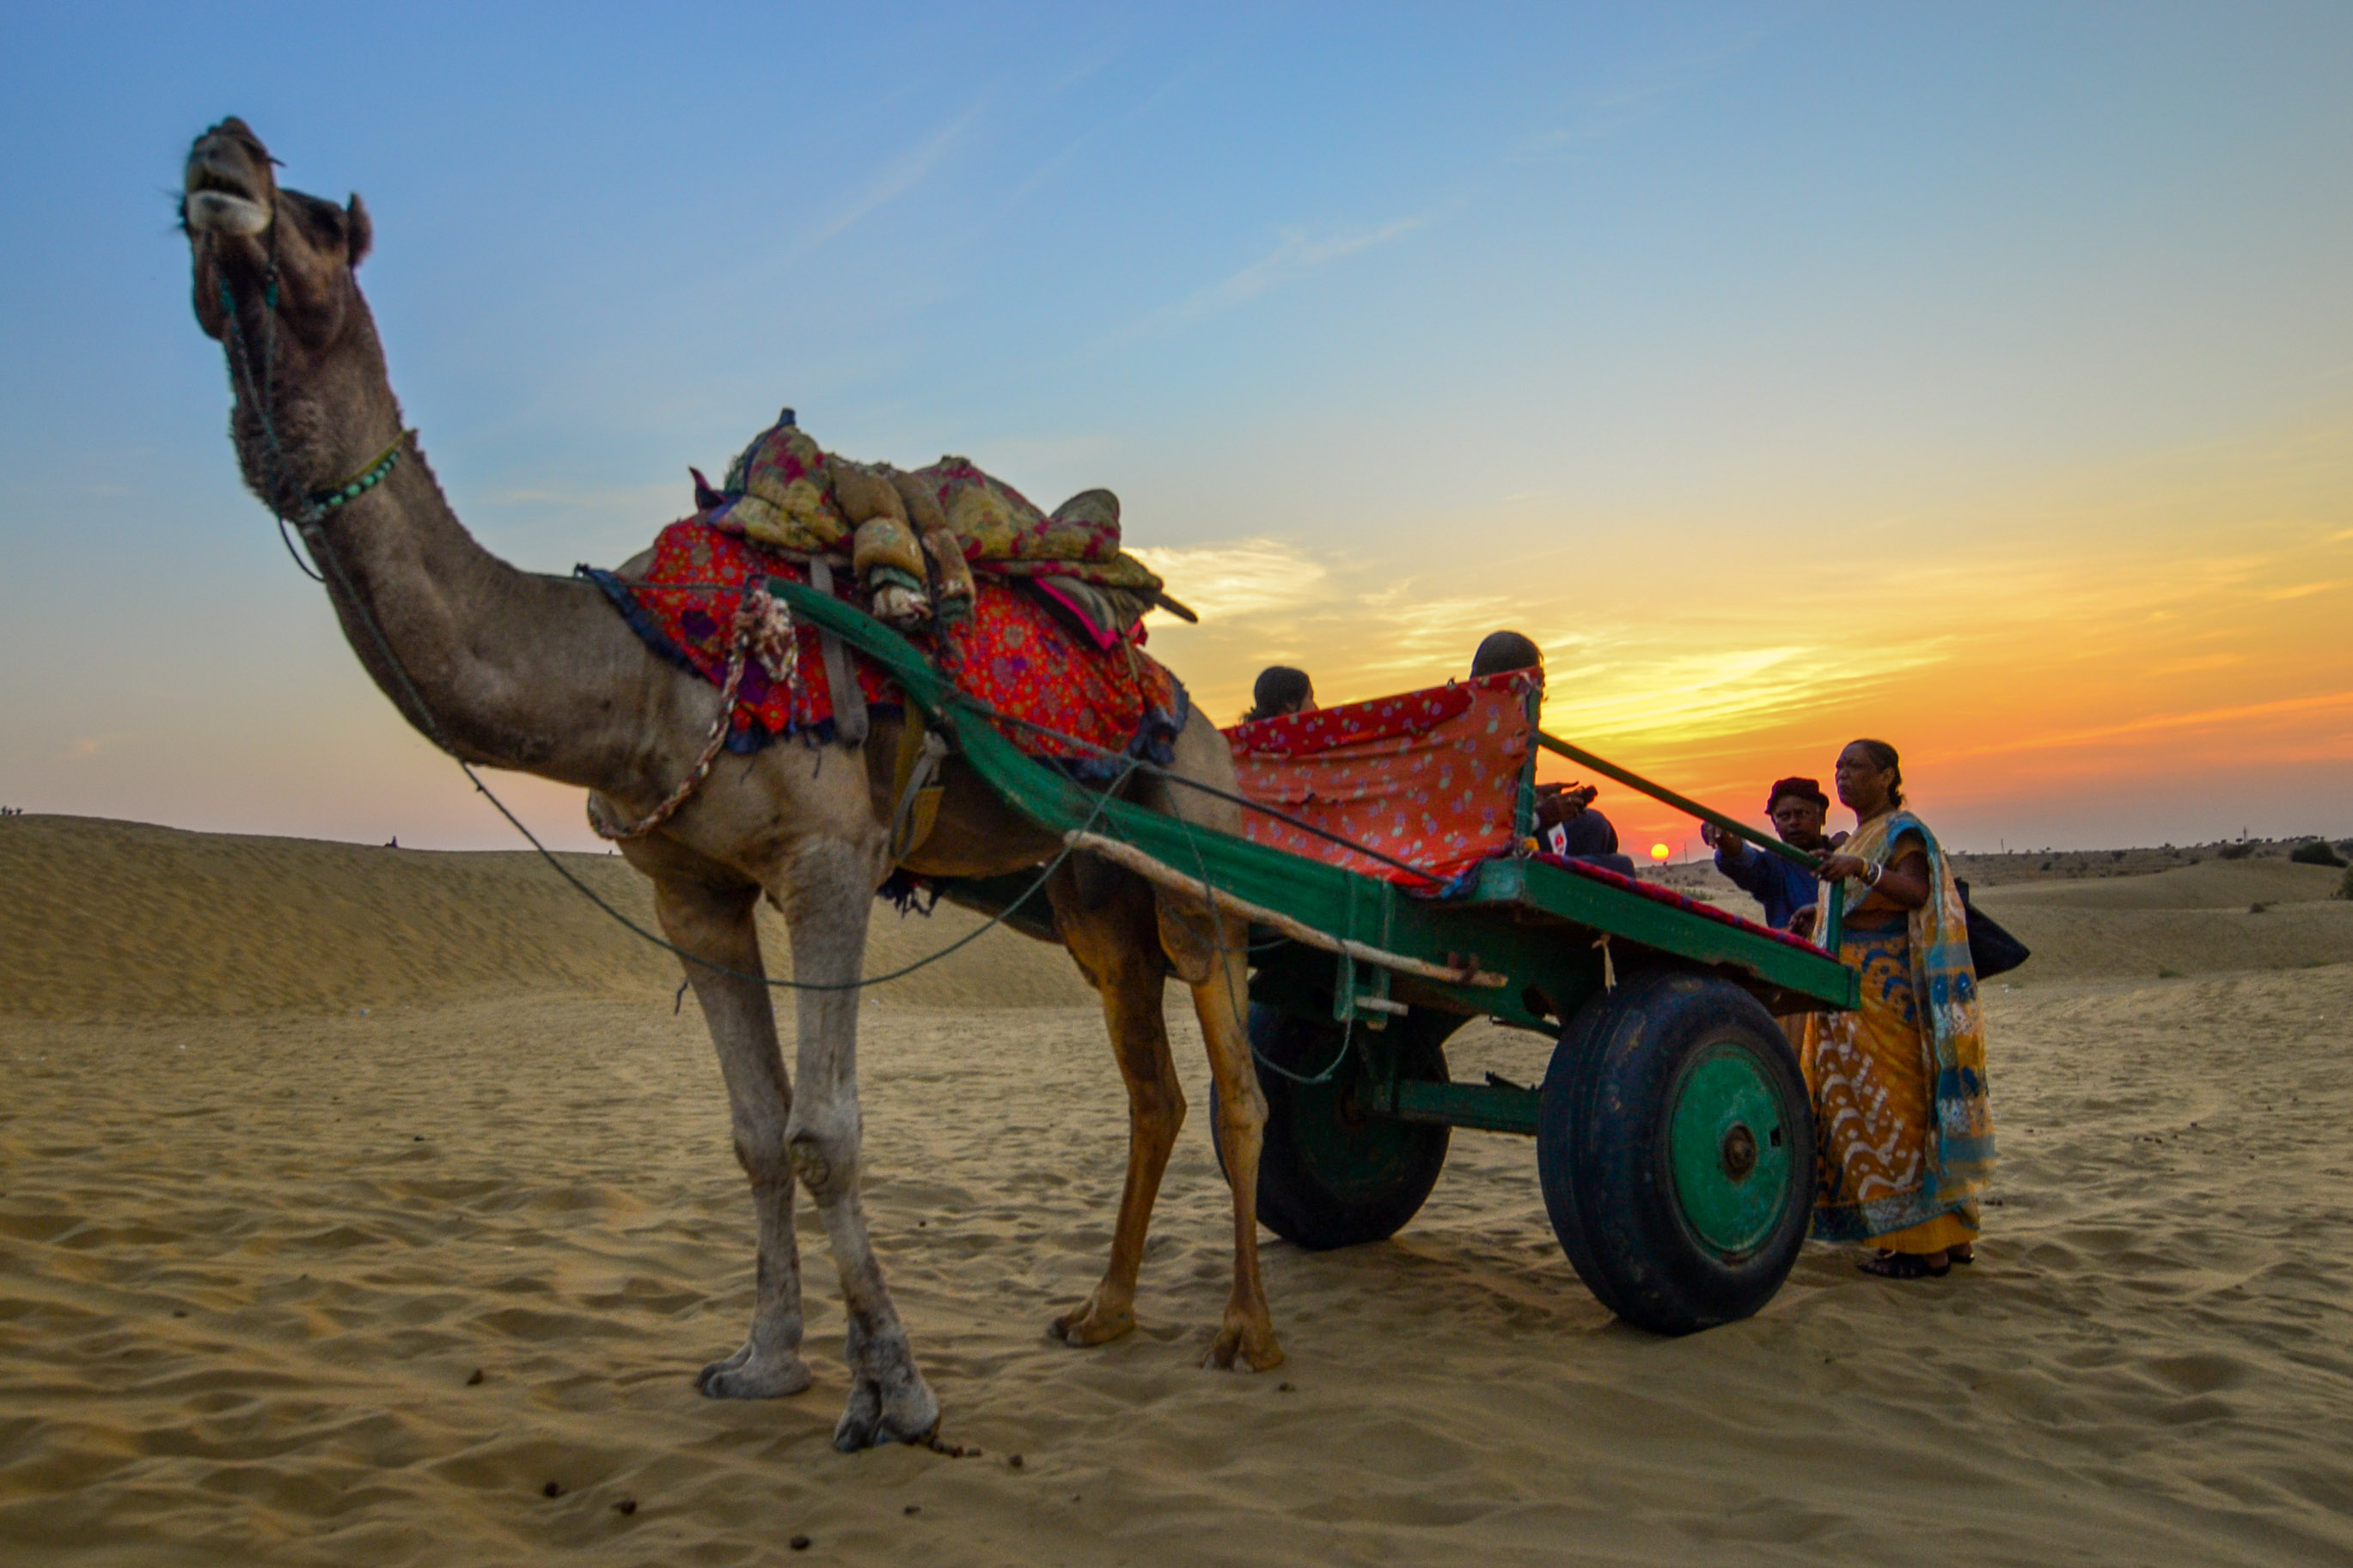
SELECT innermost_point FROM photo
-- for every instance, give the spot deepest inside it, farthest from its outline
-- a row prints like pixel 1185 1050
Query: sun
pixel 1660 851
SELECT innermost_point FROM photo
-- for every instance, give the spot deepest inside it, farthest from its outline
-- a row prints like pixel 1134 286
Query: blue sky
pixel 1788 370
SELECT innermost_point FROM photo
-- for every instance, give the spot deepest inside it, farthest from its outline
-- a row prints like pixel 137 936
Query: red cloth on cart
pixel 1011 655
pixel 1431 778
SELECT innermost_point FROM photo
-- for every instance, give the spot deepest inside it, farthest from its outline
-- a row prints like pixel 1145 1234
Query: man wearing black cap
pixel 1797 807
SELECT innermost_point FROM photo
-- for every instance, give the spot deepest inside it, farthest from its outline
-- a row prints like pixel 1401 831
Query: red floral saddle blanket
pixel 1012 655
pixel 1431 778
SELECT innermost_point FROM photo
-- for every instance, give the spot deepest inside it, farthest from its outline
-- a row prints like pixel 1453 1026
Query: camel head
pixel 274 285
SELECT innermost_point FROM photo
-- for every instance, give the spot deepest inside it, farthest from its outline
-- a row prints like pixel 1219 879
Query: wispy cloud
pixel 1602 115
pixel 2301 590
pixel 1054 164
pixel 2237 717
pixel 1297 255
pixel 81 748
pixel 902 174
pixel 1647 692
pixel 1242 577
pixel 1295 259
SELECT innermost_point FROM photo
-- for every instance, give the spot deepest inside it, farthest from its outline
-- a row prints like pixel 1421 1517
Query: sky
pixel 1978 378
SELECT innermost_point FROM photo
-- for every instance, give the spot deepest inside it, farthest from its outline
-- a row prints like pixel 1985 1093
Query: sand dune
pixel 253 1251
pixel 119 919
pixel 2210 885
pixel 2198 919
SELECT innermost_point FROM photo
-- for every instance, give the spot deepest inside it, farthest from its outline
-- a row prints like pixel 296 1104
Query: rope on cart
pixel 1348 1044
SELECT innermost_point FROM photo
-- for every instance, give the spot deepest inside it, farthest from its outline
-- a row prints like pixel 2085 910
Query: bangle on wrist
pixel 1875 873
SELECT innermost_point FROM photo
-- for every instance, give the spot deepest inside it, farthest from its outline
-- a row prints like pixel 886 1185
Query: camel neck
pixel 494 665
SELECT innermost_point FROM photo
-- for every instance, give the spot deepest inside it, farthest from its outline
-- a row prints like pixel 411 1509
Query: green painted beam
pixel 1682 802
pixel 1630 917
pixel 1491 924
pixel 1489 1107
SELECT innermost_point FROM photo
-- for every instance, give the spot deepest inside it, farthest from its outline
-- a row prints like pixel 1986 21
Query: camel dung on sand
pixel 515 670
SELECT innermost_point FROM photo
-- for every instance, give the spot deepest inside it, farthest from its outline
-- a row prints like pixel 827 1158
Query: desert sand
pixel 298 1138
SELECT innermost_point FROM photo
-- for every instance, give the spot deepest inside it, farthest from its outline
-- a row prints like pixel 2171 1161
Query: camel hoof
pixel 1250 1345
pixel 1090 1323
pixel 743 1376
pixel 906 1414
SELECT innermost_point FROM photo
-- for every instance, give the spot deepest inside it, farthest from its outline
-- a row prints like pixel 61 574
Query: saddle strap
pixel 913 785
pixel 848 697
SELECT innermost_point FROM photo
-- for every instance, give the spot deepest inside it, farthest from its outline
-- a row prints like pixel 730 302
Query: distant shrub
pixel 2045 866
pixel 2315 852
pixel 2345 888
pixel 2234 851
pixel 2119 855
pixel 2257 908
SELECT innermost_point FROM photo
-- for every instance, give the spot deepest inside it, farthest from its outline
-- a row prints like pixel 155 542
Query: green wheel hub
pixel 1730 1154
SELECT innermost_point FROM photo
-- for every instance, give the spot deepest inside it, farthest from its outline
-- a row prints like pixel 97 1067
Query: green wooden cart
pixel 1674 1140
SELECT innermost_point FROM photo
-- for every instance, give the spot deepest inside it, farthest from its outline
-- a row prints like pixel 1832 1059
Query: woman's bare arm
pixel 1903 882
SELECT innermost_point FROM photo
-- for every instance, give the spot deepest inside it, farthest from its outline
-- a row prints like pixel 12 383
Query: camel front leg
pixel 1220 1002
pixel 1112 937
pixel 717 926
pixel 826 907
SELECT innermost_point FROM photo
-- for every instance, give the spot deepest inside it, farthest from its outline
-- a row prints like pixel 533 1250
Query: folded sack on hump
pixel 915 537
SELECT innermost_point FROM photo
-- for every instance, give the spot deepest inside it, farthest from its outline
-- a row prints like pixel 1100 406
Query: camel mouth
pixel 222 200
pixel 219 212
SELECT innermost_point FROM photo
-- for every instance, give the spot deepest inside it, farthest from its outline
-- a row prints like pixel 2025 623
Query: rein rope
pixel 756 642
pixel 764 630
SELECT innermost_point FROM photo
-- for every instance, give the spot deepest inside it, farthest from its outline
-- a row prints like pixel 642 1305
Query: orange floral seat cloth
pixel 1431 778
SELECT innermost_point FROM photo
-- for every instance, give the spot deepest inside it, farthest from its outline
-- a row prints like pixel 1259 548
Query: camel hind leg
pixel 1211 953
pixel 1107 922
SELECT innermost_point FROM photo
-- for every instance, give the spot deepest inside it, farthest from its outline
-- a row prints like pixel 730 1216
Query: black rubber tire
pixel 1329 1174
pixel 1605 1159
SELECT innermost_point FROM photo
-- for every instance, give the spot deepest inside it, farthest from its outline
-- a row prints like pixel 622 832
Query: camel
pixel 513 669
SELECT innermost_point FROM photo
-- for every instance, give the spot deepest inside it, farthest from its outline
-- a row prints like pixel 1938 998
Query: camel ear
pixel 359 232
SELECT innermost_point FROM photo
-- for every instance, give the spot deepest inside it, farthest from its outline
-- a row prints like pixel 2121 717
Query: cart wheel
pixel 1331 1174
pixel 1676 1143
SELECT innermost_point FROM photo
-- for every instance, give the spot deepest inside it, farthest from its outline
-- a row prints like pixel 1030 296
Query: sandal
pixel 1902 1266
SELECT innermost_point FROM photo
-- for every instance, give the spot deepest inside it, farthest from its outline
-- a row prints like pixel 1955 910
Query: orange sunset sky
pixel 1980 379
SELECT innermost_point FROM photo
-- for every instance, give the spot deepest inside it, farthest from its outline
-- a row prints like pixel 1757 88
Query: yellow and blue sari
pixel 1901 1126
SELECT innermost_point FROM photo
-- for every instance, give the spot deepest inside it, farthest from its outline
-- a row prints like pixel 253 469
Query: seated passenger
pixel 1501 651
pixel 1281 690
pixel 1568 825
pixel 1797 807
pixel 1565 824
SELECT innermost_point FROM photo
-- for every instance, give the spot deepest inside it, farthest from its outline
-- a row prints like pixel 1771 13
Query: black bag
pixel 1992 950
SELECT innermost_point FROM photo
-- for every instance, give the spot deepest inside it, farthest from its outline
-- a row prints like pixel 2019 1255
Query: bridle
pixel 764 629
pixel 317 505
pixel 253 388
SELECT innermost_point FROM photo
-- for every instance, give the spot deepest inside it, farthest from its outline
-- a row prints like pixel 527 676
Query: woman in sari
pixel 1905 1135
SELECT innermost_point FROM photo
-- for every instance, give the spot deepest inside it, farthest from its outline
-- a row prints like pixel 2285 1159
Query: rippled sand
pixel 251 1257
